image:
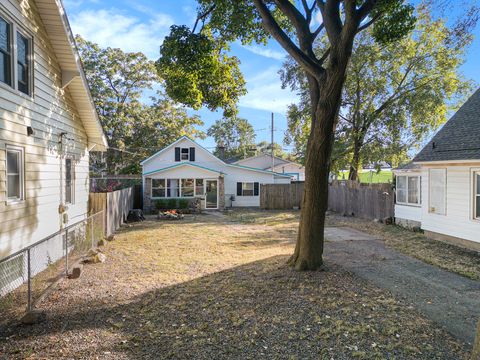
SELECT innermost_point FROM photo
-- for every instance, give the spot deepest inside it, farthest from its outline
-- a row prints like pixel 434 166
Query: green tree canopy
pixel 235 137
pixel 394 95
pixel 134 129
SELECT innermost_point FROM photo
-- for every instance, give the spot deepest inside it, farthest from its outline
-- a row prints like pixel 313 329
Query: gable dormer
pixel 184 153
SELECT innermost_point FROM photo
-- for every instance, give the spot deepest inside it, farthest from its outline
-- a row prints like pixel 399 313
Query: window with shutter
pixel 437 191
pixel 177 154
pixel 192 154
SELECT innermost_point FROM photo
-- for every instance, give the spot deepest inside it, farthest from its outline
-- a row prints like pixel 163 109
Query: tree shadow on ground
pixel 259 309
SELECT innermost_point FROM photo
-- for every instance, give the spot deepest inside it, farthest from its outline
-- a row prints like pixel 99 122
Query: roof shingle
pixel 459 138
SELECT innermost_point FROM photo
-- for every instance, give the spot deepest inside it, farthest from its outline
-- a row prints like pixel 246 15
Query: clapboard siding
pixel 458 221
pixel 50 111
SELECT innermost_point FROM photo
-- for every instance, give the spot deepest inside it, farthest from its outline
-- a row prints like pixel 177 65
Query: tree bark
pixel 308 254
pixel 355 163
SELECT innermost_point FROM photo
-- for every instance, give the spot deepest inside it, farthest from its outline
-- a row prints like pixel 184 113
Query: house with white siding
pixel 439 191
pixel 186 170
pixel 48 125
pixel 276 164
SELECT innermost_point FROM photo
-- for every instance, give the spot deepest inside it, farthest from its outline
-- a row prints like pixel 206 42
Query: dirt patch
pixel 212 288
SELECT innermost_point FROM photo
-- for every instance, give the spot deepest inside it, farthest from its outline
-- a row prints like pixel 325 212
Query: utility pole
pixel 273 157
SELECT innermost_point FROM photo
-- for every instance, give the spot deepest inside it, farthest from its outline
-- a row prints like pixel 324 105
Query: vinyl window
pixel 408 190
pixel 158 188
pixel 5 52
pixel 185 154
pixel 188 187
pixel 16 49
pixel 199 189
pixel 247 189
pixel 15 174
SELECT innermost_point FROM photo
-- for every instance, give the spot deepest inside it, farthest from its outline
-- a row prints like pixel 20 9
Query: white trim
pixel 21 184
pixel 419 189
pixel 215 208
pixel 446 162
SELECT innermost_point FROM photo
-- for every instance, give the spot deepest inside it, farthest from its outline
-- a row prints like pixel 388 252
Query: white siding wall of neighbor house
pixel 263 161
pixel 458 221
pixel 232 174
pixel 50 111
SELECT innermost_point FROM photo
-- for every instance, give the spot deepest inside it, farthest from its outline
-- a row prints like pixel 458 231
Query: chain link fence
pixel 26 275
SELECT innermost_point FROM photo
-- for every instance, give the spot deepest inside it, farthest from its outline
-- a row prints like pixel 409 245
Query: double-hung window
pixel 476 195
pixel 15 174
pixel 247 188
pixel 185 155
pixel 5 52
pixel 23 63
pixel 15 65
pixel 408 190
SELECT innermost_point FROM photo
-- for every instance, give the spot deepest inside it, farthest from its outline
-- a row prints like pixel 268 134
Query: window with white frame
pixel 185 154
pixel 69 181
pixel 173 188
pixel 476 194
pixel 15 65
pixel 15 173
pixel 408 189
pixel 247 189
pixel 158 188
pixel 437 191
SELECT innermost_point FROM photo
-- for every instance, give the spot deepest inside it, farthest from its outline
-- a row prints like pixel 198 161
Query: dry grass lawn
pixel 218 288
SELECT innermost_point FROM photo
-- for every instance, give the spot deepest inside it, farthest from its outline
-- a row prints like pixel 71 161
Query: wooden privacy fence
pixel 281 196
pixel 368 201
pixel 115 204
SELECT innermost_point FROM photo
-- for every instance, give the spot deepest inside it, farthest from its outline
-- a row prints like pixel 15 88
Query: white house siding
pixel 204 163
pixel 458 221
pixel 296 170
pixel 49 111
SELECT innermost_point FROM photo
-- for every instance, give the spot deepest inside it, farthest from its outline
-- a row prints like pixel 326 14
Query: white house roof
pixel 59 32
pixel 221 162
pixel 180 165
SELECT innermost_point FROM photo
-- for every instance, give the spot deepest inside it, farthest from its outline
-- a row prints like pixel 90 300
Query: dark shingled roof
pixel 459 138
pixel 409 166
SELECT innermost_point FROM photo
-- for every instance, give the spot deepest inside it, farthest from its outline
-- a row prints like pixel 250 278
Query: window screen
pixel 23 67
pixel 14 174
pixel 401 189
pixel 68 181
pixel 5 52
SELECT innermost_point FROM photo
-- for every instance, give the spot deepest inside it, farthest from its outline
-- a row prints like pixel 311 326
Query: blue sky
pixel 141 25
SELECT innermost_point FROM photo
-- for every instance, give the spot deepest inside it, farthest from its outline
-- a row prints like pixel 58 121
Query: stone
pixel 101 242
pixel 99 258
pixel 33 317
pixel 76 272
pixel 110 237
pixel 94 256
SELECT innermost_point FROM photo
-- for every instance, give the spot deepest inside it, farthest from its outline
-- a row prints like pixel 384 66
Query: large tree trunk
pixel 327 98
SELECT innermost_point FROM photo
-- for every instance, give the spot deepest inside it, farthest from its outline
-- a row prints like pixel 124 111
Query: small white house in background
pixel 48 127
pixel 186 170
pixel 440 190
pixel 277 164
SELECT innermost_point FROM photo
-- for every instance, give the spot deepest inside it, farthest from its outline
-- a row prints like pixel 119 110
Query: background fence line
pixel 368 201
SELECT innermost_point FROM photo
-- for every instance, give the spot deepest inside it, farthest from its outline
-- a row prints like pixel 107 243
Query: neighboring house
pixel 48 126
pixel 277 164
pixel 440 190
pixel 185 169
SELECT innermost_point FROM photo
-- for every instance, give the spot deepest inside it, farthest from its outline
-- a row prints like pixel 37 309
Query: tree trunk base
pixel 305 264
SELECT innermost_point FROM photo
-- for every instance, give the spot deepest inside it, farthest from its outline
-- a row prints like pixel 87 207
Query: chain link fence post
pixel 29 282
pixel 66 252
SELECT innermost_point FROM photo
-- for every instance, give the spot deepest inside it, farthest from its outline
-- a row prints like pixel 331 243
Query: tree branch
pixel 270 24
pixel 202 17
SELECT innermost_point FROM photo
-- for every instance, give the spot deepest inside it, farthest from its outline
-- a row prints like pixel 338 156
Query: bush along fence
pixel 26 275
pixel 368 201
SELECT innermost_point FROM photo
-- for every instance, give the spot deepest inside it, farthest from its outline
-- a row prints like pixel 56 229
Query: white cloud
pixel 264 51
pixel 265 92
pixel 115 29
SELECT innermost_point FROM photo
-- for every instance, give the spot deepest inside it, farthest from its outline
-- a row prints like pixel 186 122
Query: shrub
pixel 160 204
pixel 183 203
pixel 172 204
